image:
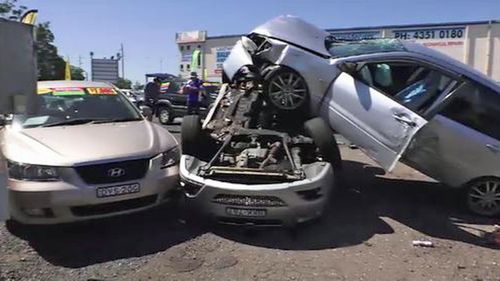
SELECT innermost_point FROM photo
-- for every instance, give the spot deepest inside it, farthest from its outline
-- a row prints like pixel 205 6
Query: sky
pixel 147 28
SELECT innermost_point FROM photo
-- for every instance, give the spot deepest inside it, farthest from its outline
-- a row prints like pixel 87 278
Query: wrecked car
pixel 237 168
pixel 396 100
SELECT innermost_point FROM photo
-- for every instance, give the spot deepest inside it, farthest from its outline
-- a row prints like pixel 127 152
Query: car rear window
pixel 353 48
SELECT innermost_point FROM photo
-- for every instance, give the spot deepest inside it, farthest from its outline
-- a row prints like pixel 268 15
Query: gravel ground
pixel 366 235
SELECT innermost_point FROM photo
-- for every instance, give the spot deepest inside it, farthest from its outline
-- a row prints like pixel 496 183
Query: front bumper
pixel 73 200
pixel 284 204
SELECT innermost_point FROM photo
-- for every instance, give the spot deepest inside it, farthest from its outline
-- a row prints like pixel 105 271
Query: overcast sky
pixel 147 28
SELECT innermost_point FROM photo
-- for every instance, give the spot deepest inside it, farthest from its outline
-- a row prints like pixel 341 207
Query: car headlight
pixel 170 157
pixel 32 172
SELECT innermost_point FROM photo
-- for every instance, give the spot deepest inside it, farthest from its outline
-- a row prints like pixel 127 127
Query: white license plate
pixel 238 212
pixel 118 190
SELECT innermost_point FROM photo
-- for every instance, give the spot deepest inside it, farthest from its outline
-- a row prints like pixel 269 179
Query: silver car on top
pixel 85 153
pixel 396 100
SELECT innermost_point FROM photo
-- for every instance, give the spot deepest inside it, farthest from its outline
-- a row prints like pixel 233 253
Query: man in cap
pixel 151 93
pixel 193 88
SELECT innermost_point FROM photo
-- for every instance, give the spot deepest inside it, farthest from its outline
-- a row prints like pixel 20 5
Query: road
pixel 366 235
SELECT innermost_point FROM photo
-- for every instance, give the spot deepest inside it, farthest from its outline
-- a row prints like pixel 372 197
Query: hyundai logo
pixel 116 172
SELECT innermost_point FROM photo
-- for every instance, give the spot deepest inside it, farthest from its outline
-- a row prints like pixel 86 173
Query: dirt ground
pixel 366 235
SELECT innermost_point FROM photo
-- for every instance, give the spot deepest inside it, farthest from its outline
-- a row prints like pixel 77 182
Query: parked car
pixel 85 152
pixel 134 97
pixel 396 100
pixel 172 102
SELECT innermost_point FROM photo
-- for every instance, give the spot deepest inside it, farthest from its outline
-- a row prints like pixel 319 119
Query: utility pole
pixel 123 62
pixel 161 64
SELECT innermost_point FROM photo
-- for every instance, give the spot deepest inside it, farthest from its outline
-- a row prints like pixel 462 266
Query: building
pixel 474 43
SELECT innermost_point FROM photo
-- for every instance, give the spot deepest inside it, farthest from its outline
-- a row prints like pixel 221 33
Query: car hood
pixel 86 144
pixel 294 30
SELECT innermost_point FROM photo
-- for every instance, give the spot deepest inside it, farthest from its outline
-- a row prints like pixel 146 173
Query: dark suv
pixel 172 102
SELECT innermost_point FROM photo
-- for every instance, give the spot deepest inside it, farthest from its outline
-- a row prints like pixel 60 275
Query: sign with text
pixel 186 57
pixel 221 54
pixel 357 35
pixel 104 70
pixel 450 40
pixel 191 36
pixel 430 33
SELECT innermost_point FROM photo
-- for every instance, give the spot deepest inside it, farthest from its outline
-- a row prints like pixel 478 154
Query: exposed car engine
pixel 245 141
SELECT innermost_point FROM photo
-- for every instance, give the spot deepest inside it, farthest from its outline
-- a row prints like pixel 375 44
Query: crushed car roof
pixel 294 30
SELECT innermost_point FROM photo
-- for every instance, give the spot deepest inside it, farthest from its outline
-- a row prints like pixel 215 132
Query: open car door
pixel 17 84
pixel 378 123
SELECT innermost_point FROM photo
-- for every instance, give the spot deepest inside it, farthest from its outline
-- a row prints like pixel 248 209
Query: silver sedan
pixel 86 152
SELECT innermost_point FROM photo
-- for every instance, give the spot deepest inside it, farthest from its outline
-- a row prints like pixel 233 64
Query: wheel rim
pixel 287 91
pixel 164 116
pixel 484 197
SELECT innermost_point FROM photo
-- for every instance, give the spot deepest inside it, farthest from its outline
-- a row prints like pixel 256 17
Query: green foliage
pixel 77 73
pixel 123 83
pixel 9 9
pixel 50 64
pixel 138 86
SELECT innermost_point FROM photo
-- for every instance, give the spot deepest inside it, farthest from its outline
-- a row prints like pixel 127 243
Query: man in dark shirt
pixel 151 93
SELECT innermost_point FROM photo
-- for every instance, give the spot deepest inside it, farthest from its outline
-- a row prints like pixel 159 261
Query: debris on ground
pixel 493 237
pixel 422 243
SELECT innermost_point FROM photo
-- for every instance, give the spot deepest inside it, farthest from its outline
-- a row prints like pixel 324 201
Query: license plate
pixel 238 212
pixel 118 190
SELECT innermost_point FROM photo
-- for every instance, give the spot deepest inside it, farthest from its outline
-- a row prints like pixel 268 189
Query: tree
pixel 77 73
pixel 138 86
pixel 123 83
pixel 50 64
pixel 9 9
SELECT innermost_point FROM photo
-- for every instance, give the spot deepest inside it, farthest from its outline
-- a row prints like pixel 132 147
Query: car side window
pixel 476 107
pixel 412 85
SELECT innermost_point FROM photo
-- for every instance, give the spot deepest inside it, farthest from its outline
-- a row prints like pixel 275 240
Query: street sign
pixel 105 70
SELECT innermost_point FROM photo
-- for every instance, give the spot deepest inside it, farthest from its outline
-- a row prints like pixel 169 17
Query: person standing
pixel 193 88
pixel 151 93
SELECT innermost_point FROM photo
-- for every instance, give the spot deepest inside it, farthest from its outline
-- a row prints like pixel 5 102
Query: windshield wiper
pixel 115 120
pixel 76 121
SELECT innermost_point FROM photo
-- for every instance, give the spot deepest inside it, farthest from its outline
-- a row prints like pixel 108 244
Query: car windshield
pixel 77 105
pixel 340 48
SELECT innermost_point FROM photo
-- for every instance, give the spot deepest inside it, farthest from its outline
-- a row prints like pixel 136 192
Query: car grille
pixel 102 173
pixel 249 201
pixel 113 207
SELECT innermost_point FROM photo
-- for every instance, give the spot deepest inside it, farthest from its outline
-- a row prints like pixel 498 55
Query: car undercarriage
pixel 266 165
pixel 247 142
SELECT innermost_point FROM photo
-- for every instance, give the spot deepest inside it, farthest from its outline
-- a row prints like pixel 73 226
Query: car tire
pixel 482 196
pixel 324 139
pixel 191 135
pixel 285 89
pixel 165 115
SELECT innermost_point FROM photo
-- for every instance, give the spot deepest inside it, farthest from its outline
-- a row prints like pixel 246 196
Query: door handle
pixel 493 148
pixel 404 119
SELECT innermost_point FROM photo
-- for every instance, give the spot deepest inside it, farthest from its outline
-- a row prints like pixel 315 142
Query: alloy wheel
pixel 164 116
pixel 483 197
pixel 287 90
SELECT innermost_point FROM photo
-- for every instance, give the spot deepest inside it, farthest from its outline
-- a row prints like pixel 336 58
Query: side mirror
pixel 348 67
pixel 146 111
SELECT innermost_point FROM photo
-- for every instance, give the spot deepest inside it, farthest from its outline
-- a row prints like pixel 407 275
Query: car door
pixel 378 105
pixel 462 141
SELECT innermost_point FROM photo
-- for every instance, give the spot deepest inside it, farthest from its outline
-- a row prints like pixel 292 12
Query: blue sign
pixel 186 57
pixel 222 53
pixel 356 35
